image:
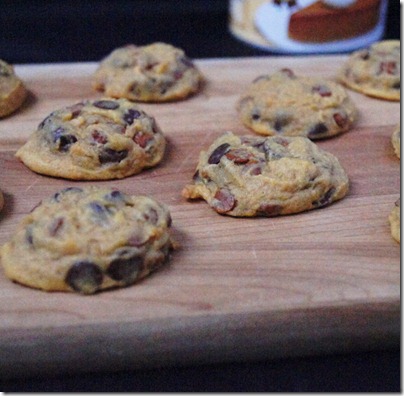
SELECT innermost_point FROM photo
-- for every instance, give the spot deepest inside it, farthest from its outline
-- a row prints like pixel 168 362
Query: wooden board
pixel 323 281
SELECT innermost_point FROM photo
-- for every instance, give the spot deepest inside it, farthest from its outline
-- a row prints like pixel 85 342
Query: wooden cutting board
pixel 323 281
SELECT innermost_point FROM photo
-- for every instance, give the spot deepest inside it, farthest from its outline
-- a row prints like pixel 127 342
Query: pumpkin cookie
pixel 94 140
pixel 12 90
pixel 88 239
pixel 396 140
pixel 394 219
pixel 288 105
pixel 374 71
pixel 153 73
pixel 256 176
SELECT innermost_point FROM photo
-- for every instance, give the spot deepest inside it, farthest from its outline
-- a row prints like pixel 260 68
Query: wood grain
pixel 236 289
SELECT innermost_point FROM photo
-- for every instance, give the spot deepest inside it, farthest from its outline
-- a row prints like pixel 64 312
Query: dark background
pixel 70 31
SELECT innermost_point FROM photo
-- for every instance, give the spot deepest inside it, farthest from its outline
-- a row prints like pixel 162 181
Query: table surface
pixel 237 289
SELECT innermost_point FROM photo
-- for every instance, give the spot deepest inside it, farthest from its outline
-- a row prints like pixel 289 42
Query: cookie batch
pixel 89 239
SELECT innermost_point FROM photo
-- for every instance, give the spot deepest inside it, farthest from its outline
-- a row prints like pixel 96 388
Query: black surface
pixel 361 372
pixel 70 31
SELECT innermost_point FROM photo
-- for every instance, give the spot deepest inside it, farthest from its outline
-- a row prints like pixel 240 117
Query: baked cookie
pixel 12 90
pixel 257 176
pixel 94 140
pixel 396 140
pixel 88 239
pixel 153 73
pixel 288 105
pixel 374 71
pixel 394 219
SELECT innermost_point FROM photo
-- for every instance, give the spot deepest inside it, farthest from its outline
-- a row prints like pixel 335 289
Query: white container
pixel 308 26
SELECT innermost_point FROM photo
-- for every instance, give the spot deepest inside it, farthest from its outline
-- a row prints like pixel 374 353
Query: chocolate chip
pixel 317 129
pixel 56 197
pixel 255 115
pixel 106 104
pixel 365 55
pixel 281 121
pixel 218 153
pixel 84 277
pixel 223 201
pixel 269 210
pixel 99 137
pixel 325 199
pixel 76 109
pixel 322 90
pixel 115 195
pixel 62 139
pixel 288 72
pixel 142 139
pixel 240 156
pixel 397 85
pixel 340 120
pixel 29 235
pixel 131 115
pixel 56 226
pixel 125 269
pixel 152 216
pixel 110 155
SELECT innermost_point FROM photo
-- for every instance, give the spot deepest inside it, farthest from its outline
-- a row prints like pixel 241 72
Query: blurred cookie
pixel 157 72
pixel 94 140
pixel 12 90
pixel 394 219
pixel 88 239
pixel 396 140
pixel 288 105
pixel 374 71
pixel 256 176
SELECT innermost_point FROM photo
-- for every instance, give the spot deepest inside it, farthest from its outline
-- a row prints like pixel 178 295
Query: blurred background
pixel 45 31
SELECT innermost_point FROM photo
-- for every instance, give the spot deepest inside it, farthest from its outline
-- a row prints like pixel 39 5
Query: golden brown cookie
pixel 394 219
pixel 12 90
pixel 257 176
pixel 396 140
pixel 94 140
pixel 157 72
pixel 374 71
pixel 288 105
pixel 87 240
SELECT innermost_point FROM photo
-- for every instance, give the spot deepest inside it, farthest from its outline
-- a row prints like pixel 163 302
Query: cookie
pixel 12 90
pixel 266 176
pixel 289 105
pixel 88 239
pixel 94 140
pixel 396 140
pixel 374 71
pixel 157 72
pixel 394 219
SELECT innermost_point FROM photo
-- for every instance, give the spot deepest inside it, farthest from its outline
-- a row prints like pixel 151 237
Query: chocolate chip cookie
pixel 94 140
pixel 374 71
pixel 396 140
pixel 289 105
pixel 157 72
pixel 12 90
pixel 394 219
pixel 88 239
pixel 266 176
